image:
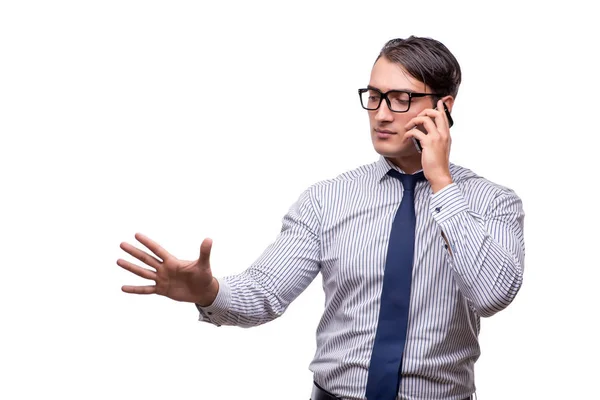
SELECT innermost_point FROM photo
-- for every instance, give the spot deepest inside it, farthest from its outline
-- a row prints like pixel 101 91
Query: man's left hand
pixel 435 156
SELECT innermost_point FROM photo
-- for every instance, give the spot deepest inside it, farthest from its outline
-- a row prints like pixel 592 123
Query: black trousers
pixel 318 393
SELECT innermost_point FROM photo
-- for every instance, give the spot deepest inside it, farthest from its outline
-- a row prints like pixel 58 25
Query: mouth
pixel 384 133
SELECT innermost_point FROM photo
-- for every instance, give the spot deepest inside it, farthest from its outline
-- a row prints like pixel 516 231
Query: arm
pixel 264 291
pixel 486 251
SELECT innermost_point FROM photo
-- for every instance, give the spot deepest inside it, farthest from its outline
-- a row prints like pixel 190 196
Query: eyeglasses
pixel 397 100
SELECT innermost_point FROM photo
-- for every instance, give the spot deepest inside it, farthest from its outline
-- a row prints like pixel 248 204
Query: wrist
pixel 209 295
pixel 440 183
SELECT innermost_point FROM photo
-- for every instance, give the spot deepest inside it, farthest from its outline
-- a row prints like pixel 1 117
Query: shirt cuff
pixel 447 203
pixel 219 307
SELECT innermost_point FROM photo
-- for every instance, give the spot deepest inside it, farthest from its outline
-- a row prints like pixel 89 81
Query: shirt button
pixel 438 209
pixel 210 313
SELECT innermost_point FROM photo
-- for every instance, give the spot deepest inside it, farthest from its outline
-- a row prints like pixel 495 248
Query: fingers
pixel 153 246
pixel 141 255
pixel 441 120
pixel 438 115
pixel 425 121
pixel 431 137
pixel 417 134
pixel 205 249
pixel 139 271
pixel 139 289
pixel 440 126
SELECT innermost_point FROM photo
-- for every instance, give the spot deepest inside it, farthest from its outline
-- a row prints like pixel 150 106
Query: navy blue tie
pixel 386 361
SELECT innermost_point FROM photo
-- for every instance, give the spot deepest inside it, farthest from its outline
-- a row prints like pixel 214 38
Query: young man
pixel 412 249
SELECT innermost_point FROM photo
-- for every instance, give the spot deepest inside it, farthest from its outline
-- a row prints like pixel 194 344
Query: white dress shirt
pixel 340 228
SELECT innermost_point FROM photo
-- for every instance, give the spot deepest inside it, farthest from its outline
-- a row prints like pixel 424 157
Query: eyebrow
pixel 396 90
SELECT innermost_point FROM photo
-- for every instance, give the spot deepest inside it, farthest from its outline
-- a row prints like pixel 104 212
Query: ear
pixel 449 101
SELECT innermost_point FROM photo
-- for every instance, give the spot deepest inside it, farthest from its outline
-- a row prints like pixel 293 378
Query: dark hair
pixel 427 60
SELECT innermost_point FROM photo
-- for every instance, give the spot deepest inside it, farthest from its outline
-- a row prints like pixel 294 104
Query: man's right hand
pixel 189 281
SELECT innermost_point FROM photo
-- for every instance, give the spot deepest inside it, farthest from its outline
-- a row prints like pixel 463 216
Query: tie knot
pixel 408 181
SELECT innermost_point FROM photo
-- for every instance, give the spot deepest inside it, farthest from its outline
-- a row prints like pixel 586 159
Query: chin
pixel 394 150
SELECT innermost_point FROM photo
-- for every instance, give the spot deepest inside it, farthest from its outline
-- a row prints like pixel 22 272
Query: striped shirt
pixel 340 228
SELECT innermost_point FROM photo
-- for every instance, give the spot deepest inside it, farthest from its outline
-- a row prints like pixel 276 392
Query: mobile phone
pixel 422 129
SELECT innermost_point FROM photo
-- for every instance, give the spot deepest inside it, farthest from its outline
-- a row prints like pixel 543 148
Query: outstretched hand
pixel 189 281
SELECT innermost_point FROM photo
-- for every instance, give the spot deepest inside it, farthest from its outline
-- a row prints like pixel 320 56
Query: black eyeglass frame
pixel 387 100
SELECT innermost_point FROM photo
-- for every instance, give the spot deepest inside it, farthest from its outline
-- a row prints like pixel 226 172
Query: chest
pixel 355 239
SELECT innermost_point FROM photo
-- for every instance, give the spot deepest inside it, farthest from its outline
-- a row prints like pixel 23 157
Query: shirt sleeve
pixel 284 270
pixel 486 251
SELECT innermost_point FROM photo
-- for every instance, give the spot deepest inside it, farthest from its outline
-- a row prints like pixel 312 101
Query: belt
pixel 318 393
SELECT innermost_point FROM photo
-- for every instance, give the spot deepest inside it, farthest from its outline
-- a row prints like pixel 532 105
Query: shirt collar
pixel 383 166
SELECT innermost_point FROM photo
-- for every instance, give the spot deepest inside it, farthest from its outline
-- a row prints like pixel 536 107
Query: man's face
pixel 387 127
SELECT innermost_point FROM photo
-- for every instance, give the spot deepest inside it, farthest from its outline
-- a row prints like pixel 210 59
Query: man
pixel 412 249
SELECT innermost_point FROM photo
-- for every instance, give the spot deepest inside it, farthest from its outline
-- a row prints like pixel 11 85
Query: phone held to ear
pixel 422 129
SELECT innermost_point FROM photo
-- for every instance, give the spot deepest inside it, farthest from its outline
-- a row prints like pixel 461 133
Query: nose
pixel 383 113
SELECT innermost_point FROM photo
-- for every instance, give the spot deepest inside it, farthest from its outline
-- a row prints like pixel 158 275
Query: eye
pixel 399 97
pixel 373 95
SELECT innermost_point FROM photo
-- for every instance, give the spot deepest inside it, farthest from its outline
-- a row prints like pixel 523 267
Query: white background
pixel 188 119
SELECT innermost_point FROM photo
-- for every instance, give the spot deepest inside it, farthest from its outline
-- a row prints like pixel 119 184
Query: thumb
pixel 205 247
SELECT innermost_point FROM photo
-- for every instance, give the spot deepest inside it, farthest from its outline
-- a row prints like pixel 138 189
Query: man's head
pixel 414 65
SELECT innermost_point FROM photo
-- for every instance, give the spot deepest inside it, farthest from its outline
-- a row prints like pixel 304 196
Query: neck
pixel 409 164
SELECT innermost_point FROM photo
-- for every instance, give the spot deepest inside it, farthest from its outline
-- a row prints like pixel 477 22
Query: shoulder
pixel 468 179
pixel 477 189
pixel 342 186
pixel 361 174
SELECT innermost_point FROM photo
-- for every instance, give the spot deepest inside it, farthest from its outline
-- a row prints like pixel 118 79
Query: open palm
pixel 189 281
